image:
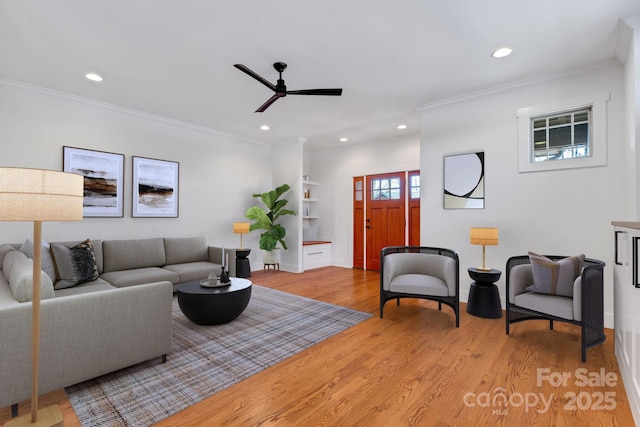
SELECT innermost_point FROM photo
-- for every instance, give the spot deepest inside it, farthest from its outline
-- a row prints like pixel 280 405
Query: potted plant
pixel 266 219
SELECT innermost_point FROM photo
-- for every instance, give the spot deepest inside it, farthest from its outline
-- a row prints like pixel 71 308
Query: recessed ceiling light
pixel 402 127
pixel 343 139
pixel 264 127
pixel 502 52
pixel 93 77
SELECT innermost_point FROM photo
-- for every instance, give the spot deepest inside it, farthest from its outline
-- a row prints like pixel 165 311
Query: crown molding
pixel 594 67
pixel 626 27
pixel 129 111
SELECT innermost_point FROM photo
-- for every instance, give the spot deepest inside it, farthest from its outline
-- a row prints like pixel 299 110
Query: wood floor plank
pixel 411 368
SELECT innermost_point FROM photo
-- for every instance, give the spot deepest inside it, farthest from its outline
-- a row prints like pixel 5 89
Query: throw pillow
pixel 75 265
pixel 554 277
pixel 18 270
pixel 5 249
pixel 46 261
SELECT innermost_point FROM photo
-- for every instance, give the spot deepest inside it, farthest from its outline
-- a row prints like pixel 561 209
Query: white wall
pixel 334 171
pixel 218 173
pixel 562 212
pixel 287 169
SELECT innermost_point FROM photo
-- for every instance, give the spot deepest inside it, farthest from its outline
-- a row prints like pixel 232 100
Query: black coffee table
pixel 214 306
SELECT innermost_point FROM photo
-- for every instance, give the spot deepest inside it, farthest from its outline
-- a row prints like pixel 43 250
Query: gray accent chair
pixel 585 309
pixel 420 272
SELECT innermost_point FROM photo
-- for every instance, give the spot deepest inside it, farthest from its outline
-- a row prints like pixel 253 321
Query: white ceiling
pixel 175 58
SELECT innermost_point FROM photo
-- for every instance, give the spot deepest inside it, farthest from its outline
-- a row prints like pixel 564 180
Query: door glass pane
pixel 414 187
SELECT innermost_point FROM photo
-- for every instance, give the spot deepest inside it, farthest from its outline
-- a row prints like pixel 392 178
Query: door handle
pixel 615 258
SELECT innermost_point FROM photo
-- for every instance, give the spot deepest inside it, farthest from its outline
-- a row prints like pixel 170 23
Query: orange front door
pixel 385 215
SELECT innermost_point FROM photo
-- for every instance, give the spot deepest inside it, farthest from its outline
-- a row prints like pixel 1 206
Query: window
pixel 563 135
pixel 414 187
pixel 358 190
pixel 385 189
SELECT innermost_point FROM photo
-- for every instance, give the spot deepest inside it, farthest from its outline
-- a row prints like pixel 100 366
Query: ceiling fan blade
pixel 255 76
pixel 266 105
pixel 329 92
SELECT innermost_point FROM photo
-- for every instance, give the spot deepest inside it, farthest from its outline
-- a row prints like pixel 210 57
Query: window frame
pixel 598 125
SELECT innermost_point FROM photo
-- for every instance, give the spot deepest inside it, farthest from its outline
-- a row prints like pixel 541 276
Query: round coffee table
pixel 214 306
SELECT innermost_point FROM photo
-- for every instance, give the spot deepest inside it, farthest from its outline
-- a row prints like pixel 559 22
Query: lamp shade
pixel 240 227
pixel 484 236
pixel 40 195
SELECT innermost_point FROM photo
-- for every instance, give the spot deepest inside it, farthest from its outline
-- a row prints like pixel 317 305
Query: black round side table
pixel 243 269
pixel 484 297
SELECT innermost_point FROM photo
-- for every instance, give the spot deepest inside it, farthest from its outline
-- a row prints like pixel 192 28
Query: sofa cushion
pixel 75 265
pixel 18 270
pixel 549 304
pixel 554 277
pixel 97 285
pixel 46 260
pixel 420 284
pixel 193 270
pixel 130 254
pixel 179 250
pixel 138 276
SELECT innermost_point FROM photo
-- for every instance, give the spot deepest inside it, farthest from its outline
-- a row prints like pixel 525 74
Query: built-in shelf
pixel 310 217
pixel 310 200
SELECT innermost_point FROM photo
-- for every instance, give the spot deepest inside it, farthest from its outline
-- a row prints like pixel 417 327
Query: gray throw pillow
pixel 46 260
pixel 75 265
pixel 554 277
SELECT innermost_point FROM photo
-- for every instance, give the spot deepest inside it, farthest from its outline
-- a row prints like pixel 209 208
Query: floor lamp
pixel 39 195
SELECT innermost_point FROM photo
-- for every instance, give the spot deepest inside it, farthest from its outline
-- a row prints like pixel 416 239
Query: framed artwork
pixel 155 188
pixel 103 180
pixel 464 181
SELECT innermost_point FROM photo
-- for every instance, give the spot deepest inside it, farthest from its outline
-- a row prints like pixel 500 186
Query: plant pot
pixel 271 257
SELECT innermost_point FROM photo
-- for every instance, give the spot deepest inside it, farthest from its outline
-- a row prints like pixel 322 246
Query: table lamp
pixel 39 195
pixel 484 236
pixel 240 228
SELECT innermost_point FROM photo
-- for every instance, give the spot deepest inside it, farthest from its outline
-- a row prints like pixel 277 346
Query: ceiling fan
pixel 280 89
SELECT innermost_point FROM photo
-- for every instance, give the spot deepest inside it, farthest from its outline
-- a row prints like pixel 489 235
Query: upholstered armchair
pixel 420 272
pixel 580 302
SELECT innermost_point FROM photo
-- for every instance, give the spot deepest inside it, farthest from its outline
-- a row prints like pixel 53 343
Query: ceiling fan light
pixel 264 127
pixel 343 139
pixel 401 127
pixel 502 52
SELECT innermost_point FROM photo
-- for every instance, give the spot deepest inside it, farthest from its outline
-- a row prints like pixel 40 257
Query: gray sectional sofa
pixel 120 318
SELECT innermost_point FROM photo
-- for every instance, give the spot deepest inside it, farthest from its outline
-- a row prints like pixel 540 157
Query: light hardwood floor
pixel 414 368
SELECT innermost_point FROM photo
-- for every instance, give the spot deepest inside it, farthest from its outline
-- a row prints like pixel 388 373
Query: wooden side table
pixel 484 297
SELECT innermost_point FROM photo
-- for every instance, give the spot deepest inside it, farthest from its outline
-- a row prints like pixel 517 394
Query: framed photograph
pixel 103 180
pixel 155 188
pixel 464 181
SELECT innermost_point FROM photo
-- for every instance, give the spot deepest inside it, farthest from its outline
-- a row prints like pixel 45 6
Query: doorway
pixel 382 216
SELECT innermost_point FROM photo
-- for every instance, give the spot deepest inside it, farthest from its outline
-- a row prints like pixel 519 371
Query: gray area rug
pixel 206 359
